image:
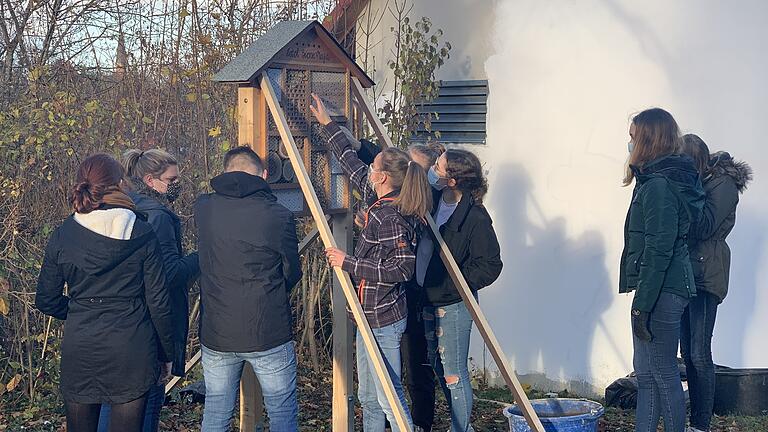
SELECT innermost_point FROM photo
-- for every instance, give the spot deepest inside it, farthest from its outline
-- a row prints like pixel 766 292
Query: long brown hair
pixel 656 135
pixel 465 167
pixel 697 149
pixel 97 175
pixel 415 198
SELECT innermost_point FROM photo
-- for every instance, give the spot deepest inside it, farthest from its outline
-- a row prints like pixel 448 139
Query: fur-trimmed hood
pixel 721 163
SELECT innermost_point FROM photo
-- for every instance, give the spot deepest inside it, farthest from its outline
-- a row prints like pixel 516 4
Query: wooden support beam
pixel 249 113
pixel 189 365
pixel 458 279
pixel 343 413
pixel 251 400
pixel 328 240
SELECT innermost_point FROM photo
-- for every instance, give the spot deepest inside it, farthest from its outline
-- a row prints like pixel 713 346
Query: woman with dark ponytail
pixel 116 311
pixel 398 197
pixel 154 186
pixel 467 229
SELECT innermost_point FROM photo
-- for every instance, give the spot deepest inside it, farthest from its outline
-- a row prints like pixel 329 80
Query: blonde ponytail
pixel 415 198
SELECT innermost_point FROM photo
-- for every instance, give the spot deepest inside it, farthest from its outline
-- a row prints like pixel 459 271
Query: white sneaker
pixel 692 429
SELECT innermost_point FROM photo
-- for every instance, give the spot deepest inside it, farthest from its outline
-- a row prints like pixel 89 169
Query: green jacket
pixel 668 195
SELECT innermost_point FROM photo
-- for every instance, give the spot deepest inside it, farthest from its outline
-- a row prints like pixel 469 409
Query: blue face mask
pixel 630 146
pixel 434 179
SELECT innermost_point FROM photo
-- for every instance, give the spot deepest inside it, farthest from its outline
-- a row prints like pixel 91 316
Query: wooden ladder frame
pixel 458 280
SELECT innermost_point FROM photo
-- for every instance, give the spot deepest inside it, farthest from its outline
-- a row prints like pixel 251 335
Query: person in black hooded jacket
pixel 117 312
pixel 154 186
pixel 249 262
pixel 724 179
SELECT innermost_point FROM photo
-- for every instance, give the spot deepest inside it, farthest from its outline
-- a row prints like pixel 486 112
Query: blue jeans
pixel 447 330
pixel 155 399
pixel 659 391
pixel 276 371
pixel 370 391
pixel 696 347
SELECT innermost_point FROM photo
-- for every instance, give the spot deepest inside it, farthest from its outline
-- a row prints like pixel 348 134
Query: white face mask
pixel 370 176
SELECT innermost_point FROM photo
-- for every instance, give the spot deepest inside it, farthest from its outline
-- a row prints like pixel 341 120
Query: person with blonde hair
pixel 399 198
pixel 154 186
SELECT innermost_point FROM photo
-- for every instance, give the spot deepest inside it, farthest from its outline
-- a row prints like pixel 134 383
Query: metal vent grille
pixel 458 113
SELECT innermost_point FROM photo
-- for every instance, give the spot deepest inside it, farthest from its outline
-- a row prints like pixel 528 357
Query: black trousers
pixel 419 376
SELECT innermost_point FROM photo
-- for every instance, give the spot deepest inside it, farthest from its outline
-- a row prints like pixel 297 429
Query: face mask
pixel 370 177
pixel 434 179
pixel 172 190
pixel 630 146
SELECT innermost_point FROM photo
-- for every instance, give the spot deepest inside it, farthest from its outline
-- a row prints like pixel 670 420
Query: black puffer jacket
pixel 710 254
pixel 180 270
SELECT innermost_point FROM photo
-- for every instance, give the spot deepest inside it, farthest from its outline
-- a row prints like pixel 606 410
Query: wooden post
pixel 343 415
pixel 251 400
pixel 249 113
pixel 327 236
pixel 458 279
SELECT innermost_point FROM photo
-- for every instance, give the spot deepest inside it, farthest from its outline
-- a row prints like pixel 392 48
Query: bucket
pixel 741 391
pixel 558 415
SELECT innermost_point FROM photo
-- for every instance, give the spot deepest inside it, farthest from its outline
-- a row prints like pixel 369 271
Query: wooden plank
pixel 343 413
pixel 466 293
pixel 328 240
pixel 248 115
pixel 251 400
pixel 189 365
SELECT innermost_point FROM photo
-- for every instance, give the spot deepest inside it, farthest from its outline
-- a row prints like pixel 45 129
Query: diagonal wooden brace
pixel 458 279
pixel 328 240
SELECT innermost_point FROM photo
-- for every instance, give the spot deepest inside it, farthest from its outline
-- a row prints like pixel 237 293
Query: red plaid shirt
pixel 385 252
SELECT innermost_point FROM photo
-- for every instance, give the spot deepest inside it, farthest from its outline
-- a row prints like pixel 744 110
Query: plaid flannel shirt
pixel 385 252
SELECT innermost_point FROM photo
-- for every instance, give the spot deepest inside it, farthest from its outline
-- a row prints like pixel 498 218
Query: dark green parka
pixel 667 196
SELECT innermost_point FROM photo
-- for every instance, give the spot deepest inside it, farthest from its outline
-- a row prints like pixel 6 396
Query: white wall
pixel 564 79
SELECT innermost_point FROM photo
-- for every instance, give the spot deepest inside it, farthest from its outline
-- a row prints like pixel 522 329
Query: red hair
pixel 96 175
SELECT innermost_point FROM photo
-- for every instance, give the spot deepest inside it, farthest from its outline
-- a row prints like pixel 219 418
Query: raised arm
pixel 343 146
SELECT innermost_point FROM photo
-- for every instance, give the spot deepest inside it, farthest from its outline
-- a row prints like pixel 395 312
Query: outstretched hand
pixel 319 110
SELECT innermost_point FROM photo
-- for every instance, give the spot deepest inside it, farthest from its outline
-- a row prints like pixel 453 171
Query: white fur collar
pixel 116 223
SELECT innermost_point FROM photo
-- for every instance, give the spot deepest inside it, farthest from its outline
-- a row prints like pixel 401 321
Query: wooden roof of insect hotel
pixel 278 45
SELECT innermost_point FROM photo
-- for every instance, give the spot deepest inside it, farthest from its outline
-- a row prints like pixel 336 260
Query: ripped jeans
pixel 447 330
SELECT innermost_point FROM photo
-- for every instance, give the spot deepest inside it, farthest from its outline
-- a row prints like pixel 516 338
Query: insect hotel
pixel 275 78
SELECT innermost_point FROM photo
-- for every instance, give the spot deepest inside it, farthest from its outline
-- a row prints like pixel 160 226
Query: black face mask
pixel 173 191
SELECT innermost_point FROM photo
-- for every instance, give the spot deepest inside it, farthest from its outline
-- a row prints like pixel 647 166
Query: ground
pixel 183 415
